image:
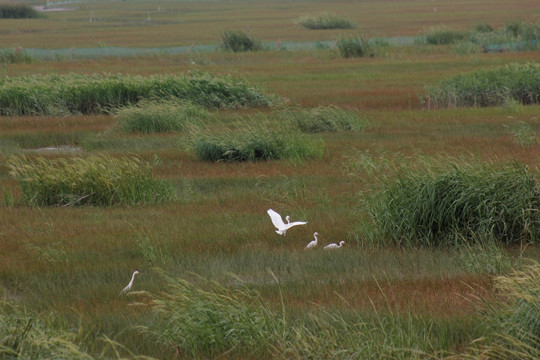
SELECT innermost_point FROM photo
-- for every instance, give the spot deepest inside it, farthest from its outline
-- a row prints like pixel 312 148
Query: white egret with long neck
pixel 280 225
pixel 334 246
pixel 130 285
pixel 313 243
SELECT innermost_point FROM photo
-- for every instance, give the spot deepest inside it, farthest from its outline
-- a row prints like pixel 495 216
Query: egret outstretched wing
pixel 280 225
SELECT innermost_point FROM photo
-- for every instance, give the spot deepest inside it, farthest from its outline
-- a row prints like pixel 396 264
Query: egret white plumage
pixel 280 225
pixel 313 243
pixel 334 246
pixel 130 285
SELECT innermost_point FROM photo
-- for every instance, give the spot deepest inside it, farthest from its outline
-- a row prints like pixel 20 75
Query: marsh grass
pixel 96 180
pixel 324 119
pixel 159 116
pixel 355 46
pixel 513 324
pixel 325 21
pixel 489 87
pixel 102 93
pixel 15 56
pixel 208 319
pixel 251 141
pixel 444 36
pixel 473 201
pixel 239 41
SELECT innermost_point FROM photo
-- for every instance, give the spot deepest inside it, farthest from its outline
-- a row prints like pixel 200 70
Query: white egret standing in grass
pixel 334 246
pixel 280 225
pixel 130 285
pixel 313 243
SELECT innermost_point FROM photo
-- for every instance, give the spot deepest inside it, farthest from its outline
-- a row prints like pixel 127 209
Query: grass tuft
pixel 252 142
pixel 159 116
pixel 97 180
pixel 355 46
pixel 239 41
pixel 471 203
pixel 489 87
pixel 324 119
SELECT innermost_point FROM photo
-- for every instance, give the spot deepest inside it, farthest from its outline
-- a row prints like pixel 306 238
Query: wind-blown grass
pixel 489 87
pixel 466 202
pixel 252 142
pixel 211 320
pixel 100 93
pixel 324 119
pixel 156 116
pixel 97 180
pixel 515 321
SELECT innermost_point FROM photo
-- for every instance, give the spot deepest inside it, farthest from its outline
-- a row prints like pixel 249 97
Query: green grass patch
pixel 325 21
pixel 489 87
pixel 251 141
pixel 324 119
pixel 96 180
pixel 465 203
pixel 159 116
pixel 355 46
pixel 239 41
pixel 101 93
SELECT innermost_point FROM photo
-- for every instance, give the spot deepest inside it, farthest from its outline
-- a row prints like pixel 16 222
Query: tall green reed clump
pixel 96 180
pixel 251 142
pixel 100 93
pixel 15 56
pixel 514 323
pixel 239 41
pixel 471 203
pixel 19 11
pixel 159 116
pixel 325 21
pixel 489 87
pixel 355 46
pixel 209 320
pixel 324 119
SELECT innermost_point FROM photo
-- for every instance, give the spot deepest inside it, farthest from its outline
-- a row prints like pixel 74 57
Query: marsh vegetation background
pixel 155 135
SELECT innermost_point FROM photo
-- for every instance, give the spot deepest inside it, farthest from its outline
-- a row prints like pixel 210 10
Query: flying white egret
pixel 130 285
pixel 334 246
pixel 280 225
pixel 313 243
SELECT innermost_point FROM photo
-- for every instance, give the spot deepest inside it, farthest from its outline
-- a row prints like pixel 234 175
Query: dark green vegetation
pixel 518 82
pixel 355 46
pixel 215 280
pixel 238 41
pixel 251 142
pixel 18 11
pixel 98 180
pixel 14 56
pixel 99 93
pixel 465 203
pixel 325 21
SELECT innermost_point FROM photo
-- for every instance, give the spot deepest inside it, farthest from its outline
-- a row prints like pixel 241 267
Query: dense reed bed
pixel 467 202
pixel 101 93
